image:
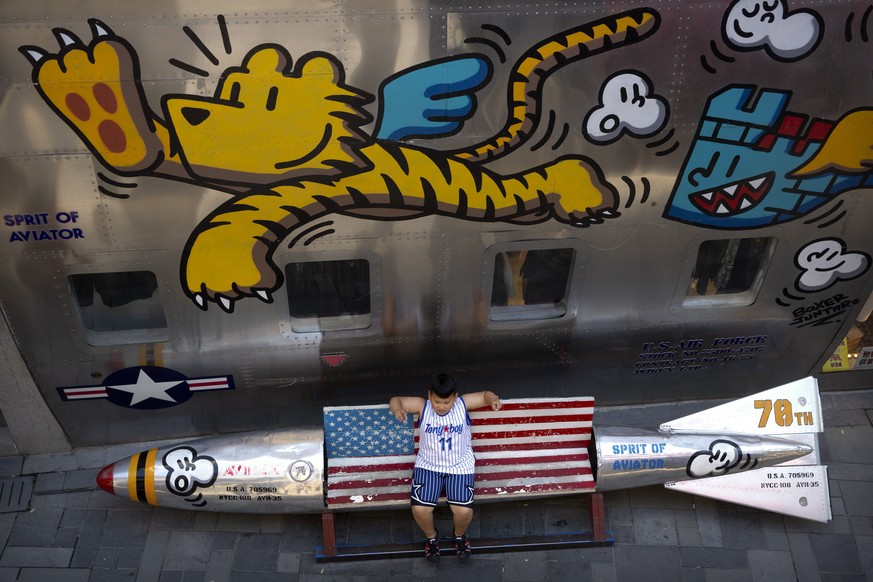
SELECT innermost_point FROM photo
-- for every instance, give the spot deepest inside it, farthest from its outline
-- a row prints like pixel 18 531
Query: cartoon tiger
pixel 286 141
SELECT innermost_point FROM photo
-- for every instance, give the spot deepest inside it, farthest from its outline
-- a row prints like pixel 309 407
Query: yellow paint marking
pixel 151 498
pixel 131 477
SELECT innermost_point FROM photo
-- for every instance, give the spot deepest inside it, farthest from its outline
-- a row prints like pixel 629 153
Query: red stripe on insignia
pixel 208 384
pixel 90 392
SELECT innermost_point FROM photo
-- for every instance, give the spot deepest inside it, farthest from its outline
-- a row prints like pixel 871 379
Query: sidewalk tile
pixel 767 565
pixel 126 528
pixel 153 555
pixel 54 574
pixel 37 527
pixel 188 550
pixel 219 567
pixel 256 552
pixel 638 563
pixel 26 557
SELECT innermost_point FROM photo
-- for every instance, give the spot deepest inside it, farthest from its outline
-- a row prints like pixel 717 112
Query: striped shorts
pixel 427 486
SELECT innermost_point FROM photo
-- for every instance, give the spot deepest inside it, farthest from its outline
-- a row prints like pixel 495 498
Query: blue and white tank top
pixel 445 442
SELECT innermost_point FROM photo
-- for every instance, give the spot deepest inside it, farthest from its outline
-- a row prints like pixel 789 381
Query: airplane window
pixel 120 308
pixel 729 271
pixel 855 352
pixel 329 295
pixel 530 284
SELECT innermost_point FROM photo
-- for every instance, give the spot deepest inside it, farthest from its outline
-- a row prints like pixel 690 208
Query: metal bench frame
pixel 598 536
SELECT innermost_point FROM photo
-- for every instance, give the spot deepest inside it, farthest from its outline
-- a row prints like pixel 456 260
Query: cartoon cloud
pixel 826 261
pixel 627 104
pixel 186 470
pixel 786 36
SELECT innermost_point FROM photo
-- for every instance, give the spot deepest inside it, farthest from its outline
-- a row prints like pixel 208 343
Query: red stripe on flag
pixel 529 446
pixel 362 484
pixel 368 499
pixel 572 433
pixel 531 460
pixel 544 405
pixel 579 441
pixel 523 434
pixel 483 420
pixel 534 488
pixel 369 468
pixel 536 474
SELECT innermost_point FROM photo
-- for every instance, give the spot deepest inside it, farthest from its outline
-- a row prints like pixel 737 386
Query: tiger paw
pixel 96 90
pixel 581 195
pixel 226 263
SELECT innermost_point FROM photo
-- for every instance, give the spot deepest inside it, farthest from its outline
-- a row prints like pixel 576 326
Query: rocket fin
pixel 796 490
pixel 793 408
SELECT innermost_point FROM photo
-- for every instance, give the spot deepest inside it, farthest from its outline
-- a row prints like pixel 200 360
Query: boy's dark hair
pixel 443 386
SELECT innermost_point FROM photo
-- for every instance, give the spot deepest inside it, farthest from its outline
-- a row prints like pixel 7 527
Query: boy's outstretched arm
pixel 401 405
pixel 482 399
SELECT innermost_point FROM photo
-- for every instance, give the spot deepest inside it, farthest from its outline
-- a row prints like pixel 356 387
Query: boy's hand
pixel 492 400
pixel 402 406
pixel 395 405
pixel 399 413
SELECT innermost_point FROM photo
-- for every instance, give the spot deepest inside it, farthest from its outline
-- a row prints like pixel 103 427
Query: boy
pixel 445 457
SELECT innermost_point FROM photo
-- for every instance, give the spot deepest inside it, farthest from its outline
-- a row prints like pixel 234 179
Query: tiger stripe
pixel 538 62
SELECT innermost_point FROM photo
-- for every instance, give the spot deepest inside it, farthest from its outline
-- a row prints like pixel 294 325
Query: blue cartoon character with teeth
pixel 754 164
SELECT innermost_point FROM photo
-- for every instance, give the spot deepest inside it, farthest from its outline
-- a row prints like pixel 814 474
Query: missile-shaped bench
pixel 363 457
pixel 760 451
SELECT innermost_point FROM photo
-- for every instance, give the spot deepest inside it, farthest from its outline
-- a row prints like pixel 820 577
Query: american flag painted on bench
pixel 532 447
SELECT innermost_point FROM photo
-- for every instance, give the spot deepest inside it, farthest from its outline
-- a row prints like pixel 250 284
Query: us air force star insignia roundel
pixel 146 387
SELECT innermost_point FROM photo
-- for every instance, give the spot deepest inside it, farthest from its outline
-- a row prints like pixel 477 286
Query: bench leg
pixel 598 516
pixel 328 533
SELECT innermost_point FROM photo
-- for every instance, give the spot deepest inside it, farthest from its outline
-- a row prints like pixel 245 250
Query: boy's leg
pixel 462 516
pixel 426 487
pixel 423 515
pixel 459 492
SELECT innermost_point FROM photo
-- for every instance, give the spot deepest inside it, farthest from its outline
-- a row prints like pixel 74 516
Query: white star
pixel 146 388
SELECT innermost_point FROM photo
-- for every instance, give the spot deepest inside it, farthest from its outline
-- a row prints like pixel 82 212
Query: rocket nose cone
pixel 105 479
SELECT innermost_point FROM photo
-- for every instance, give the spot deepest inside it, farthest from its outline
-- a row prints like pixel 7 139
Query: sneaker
pixel 463 546
pixel 432 548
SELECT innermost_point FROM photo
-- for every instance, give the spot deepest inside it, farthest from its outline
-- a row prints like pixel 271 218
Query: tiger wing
pixel 431 100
